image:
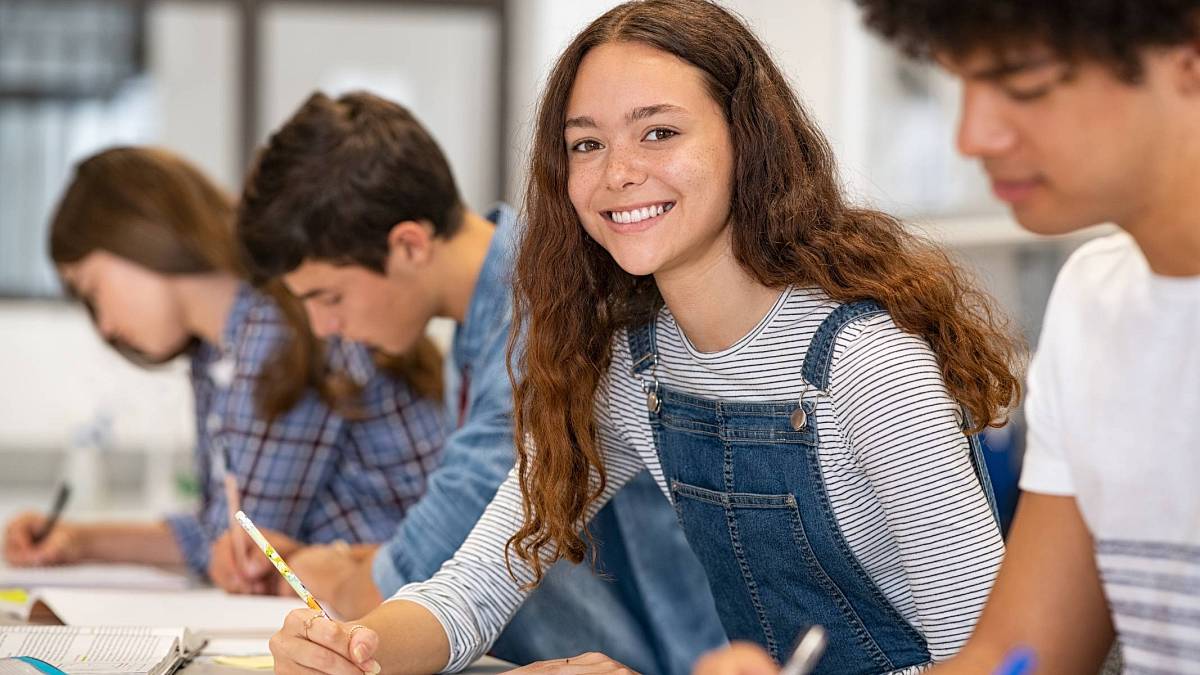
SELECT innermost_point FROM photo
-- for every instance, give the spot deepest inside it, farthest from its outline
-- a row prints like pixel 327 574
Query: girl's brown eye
pixel 586 145
pixel 660 134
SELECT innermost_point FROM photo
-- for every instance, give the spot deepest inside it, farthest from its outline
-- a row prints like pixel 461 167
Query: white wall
pixel 439 63
pixel 192 55
pixel 59 374
pixel 414 55
pixel 61 382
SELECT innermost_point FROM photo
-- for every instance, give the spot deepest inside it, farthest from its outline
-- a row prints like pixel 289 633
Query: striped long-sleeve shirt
pixel 896 467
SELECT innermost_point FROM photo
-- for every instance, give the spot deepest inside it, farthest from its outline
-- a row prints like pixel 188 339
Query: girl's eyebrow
pixel 582 122
pixel 652 110
pixel 639 113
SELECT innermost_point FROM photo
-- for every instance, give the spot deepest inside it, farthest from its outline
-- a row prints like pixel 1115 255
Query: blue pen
pixel 1019 661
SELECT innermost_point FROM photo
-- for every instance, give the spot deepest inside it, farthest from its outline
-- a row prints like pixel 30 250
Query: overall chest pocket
pixel 742 448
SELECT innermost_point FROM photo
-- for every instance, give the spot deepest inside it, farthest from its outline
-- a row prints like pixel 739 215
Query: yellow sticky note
pixel 264 662
pixel 16 596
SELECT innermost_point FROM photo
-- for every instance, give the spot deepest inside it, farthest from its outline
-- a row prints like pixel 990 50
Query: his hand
pixel 237 565
pixel 337 577
pixel 739 658
pixel 64 544
pixel 309 642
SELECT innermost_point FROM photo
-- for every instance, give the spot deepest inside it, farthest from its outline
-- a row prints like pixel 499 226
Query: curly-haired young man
pixel 1086 112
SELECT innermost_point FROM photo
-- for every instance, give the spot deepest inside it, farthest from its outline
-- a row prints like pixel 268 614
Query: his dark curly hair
pixel 1109 31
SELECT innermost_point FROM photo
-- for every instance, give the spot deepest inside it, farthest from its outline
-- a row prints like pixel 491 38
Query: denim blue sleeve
pixel 194 544
pixel 475 461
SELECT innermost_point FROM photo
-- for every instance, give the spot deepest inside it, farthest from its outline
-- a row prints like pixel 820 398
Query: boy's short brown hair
pixel 333 181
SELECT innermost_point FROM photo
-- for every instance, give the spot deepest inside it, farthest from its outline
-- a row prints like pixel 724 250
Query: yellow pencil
pixel 277 560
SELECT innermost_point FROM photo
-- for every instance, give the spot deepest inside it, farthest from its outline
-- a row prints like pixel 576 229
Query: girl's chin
pixel 638 266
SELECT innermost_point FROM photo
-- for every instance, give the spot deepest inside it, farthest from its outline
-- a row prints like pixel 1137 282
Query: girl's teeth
pixel 638 215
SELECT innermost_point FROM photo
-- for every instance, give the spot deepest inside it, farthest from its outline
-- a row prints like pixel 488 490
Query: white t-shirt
pixel 1114 419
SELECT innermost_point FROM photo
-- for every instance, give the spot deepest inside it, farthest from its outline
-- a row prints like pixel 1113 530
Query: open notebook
pixel 84 650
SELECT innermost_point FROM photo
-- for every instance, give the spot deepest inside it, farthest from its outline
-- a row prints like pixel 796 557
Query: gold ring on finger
pixel 308 624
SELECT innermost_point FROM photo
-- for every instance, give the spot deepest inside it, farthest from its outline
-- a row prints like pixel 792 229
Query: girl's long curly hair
pixel 790 225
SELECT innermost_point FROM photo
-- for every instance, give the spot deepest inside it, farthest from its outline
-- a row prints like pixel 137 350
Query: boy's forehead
pixel 310 275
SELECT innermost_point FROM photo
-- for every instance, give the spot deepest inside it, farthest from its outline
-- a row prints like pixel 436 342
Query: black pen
pixel 60 502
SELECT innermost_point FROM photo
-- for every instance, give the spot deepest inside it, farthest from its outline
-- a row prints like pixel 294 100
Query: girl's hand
pixel 308 642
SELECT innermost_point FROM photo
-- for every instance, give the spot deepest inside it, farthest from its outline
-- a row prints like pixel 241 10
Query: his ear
pixel 410 246
pixel 1189 67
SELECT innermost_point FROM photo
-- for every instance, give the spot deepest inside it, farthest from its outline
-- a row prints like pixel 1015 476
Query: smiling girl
pixel 800 376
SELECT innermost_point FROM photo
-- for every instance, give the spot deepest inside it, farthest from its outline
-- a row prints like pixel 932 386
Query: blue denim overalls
pixel 746 482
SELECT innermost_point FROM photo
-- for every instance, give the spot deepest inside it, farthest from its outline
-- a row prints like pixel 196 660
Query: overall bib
pixel 746 483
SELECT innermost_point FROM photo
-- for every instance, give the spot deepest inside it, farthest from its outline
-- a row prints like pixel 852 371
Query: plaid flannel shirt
pixel 311 473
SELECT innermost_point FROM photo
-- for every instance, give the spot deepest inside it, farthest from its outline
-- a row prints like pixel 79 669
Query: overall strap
pixel 820 350
pixel 641 347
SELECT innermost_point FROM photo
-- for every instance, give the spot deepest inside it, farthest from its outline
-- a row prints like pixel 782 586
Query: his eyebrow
pixel 314 293
pixel 1005 69
pixel 637 114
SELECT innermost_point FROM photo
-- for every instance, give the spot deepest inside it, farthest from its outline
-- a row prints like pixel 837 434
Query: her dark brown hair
pixel 790 225
pixel 153 208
